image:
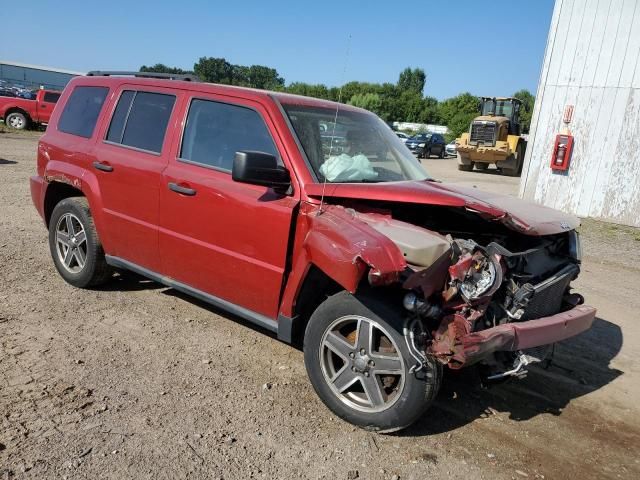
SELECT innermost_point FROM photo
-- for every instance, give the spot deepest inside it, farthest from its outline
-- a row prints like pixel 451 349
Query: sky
pixel 486 47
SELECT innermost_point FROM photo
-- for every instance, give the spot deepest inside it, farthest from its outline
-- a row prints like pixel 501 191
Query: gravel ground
pixel 138 381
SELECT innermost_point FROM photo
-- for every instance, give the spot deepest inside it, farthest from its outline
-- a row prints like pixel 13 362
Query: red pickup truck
pixel 19 113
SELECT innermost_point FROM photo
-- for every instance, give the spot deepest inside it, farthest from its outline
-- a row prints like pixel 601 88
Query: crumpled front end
pixel 499 307
pixel 477 290
pixel 500 303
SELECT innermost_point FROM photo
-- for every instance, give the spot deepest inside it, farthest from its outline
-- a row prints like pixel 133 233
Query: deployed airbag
pixel 345 168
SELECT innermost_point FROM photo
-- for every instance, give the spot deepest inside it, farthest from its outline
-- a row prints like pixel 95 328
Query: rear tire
pixel 74 244
pixel 442 153
pixel 481 166
pixel 17 120
pixel 358 363
pixel 465 168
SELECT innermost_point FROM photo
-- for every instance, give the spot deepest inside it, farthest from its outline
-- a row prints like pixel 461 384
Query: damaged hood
pixel 528 218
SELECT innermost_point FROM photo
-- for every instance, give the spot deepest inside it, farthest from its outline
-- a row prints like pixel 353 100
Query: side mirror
pixel 260 168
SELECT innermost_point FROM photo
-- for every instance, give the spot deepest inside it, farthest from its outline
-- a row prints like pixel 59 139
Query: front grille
pixel 484 132
pixel 548 295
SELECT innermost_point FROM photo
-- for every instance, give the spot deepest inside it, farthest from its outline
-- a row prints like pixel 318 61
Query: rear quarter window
pixel 81 111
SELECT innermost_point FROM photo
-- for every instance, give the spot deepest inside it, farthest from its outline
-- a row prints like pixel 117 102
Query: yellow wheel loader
pixel 494 137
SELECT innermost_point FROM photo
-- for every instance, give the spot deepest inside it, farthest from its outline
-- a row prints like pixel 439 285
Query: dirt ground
pixel 138 381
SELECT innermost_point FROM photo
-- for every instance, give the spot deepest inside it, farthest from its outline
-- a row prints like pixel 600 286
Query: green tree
pixel 457 112
pixel 528 101
pixel 368 101
pixel 162 68
pixel 412 80
pixel 264 77
pixel 429 111
pixel 215 70
pixel 309 90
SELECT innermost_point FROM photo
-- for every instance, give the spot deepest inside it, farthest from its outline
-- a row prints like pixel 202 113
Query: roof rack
pixel 166 76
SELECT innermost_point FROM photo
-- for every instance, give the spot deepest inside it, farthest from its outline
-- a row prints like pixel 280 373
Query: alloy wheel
pixel 362 364
pixel 71 243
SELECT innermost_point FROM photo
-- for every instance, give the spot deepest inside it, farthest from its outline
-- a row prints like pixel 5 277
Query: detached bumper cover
pixel 473 347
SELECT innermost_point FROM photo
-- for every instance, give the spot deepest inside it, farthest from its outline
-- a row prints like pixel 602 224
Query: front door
pixel 130 158
pixel 218 236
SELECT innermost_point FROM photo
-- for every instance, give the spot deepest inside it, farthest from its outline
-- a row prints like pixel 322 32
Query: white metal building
pixel 591 63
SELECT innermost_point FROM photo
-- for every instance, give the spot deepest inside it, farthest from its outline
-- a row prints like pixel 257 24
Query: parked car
pixel 5 92
pixel 426 144
pixel 19 113
pixel 403 136
pixel 451 149
pixel 383 275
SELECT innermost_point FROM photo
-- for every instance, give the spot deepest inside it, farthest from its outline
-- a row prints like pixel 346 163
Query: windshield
pixel 358 148
pixel 502 108
pixel 421 136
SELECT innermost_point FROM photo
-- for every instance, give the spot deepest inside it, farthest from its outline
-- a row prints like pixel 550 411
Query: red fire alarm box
pixel 562 152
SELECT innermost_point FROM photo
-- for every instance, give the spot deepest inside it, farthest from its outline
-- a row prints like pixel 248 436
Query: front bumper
pixel 475 346
pixel 416 150
pixel 482 153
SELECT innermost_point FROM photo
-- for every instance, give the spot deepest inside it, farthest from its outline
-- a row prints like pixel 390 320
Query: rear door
pixel 128 163
pixel 45 104
pixel 225 238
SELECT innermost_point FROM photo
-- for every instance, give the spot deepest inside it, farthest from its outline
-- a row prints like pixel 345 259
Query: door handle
pixel 180 189
pixel 103 166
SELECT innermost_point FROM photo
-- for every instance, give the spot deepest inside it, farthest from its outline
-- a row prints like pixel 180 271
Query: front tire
pixel 358 362
pixel 518 162
pixel 74 244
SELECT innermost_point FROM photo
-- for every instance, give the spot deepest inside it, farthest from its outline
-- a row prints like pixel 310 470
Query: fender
pixel 87 183
pixel 513 141
pixel 344 248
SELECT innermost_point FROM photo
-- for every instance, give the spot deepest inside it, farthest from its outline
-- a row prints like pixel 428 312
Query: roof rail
pixel 166 76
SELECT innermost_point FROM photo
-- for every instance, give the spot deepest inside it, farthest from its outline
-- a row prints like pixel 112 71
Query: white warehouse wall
pixel 592 61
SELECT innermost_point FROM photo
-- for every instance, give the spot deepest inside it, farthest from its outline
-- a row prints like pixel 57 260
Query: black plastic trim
pixel 285 328
pixel 253 317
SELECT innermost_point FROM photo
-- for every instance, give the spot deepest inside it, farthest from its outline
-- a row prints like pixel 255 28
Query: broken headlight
pixel 483 277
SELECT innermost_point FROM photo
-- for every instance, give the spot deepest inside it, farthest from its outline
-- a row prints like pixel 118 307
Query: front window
pixel 501 108
pixel 352 146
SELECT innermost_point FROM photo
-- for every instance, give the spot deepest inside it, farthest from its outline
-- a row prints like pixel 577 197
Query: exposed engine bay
pixel 471 283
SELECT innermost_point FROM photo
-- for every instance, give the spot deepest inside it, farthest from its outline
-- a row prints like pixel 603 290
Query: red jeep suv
pixel 313 220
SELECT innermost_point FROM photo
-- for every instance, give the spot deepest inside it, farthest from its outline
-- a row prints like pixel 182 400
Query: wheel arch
pixel 55 193
pixel 11 110
pixel 315 288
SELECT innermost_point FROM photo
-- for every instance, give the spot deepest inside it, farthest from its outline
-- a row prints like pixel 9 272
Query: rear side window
pixel 216 131
pixel 140 120
pixel 50 97
pixel 81 111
